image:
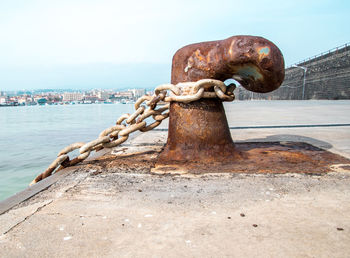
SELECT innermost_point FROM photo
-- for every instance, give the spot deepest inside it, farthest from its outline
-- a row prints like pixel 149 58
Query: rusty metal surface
pixel 256 63
pixel 198 131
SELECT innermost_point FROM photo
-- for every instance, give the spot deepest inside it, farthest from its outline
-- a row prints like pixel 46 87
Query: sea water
pixel 31 137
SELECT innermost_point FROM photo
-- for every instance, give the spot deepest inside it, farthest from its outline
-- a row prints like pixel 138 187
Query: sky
pixel 83 44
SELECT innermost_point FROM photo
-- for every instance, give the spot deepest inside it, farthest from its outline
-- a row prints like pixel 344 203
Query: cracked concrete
pixel 14 218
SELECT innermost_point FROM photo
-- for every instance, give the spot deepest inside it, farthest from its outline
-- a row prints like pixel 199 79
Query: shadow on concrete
pixel 292 138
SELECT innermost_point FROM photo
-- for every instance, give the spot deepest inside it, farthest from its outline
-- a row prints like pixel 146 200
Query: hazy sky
pixel 111 44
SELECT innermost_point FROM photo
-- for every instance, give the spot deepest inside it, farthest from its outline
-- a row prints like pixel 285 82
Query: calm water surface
pixel 31 137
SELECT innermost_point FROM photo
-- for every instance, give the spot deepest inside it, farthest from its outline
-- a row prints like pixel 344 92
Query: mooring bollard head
pixel 255 62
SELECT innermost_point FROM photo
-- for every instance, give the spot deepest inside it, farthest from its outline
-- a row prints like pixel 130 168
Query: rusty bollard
pixel 199 137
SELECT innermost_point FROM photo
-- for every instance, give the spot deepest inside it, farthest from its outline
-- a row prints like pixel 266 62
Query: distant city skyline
pixel 95 96
pixel 110 44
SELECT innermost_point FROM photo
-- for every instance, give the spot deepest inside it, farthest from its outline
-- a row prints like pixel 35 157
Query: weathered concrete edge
pixel 30 191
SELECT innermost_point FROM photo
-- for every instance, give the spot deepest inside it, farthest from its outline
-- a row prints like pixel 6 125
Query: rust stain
pixel 199 56
pixel 249 158
pixel 264 157
pixel 140 162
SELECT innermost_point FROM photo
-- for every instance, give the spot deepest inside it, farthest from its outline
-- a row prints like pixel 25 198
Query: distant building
pixel 103 95
pixel 90 99
pixel 137 93
pixel 3 100
pixel 124 95
pixel 22 100
pixel 72 96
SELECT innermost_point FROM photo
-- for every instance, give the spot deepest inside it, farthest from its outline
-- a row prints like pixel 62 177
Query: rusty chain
pixel 145 107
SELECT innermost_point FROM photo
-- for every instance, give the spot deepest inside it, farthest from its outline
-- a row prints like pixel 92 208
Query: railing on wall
pixel 321 54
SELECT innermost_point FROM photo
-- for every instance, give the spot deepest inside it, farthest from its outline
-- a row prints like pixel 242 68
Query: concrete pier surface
pixel 112 206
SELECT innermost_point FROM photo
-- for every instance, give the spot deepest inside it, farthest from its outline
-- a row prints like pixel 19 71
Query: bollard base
pixel 198 132
pixel 261 158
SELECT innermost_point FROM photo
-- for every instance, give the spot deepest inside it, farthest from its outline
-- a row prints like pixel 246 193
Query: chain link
pixel 126 124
